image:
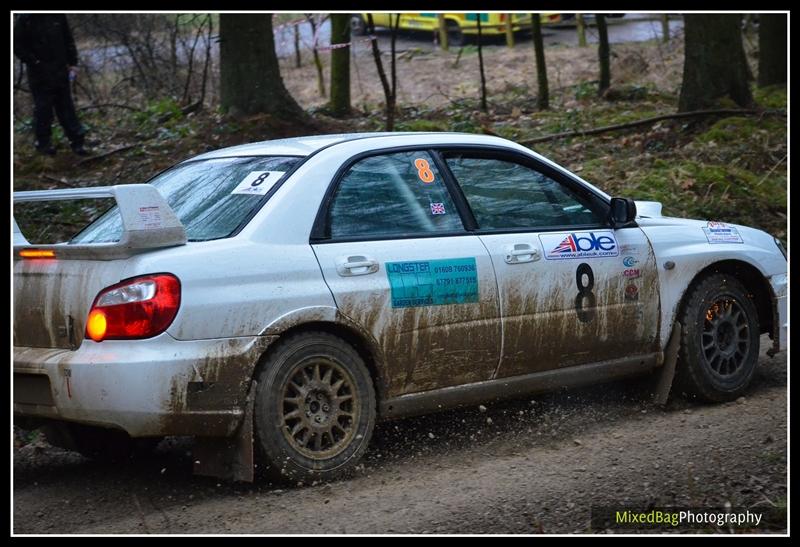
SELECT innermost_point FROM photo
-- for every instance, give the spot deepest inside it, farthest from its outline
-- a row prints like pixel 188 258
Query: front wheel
pixel 719 340
pixel 314 408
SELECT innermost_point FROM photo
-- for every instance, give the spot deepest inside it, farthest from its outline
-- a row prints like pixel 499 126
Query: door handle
pixel 356 265
pixel 520 253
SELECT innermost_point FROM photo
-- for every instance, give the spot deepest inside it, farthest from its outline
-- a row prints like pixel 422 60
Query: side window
pixel 507 195
pixel 393 194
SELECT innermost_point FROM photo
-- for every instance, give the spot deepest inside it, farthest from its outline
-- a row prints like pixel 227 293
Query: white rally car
pixel 275 299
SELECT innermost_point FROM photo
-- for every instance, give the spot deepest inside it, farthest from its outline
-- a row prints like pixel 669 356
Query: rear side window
pixel 399 194
pixel 508 195
pixel 210 197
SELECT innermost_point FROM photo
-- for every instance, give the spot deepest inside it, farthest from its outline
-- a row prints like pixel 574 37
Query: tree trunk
pixel 665 27
pixel 315 55
pixel 298 60
pixel 484 106
pixel 391 106
pixel 442 32
pixel 603 53
pixel 509 30
pixel 250 78
pixel 714 65
pixel 340 65
pixel 387 92
pixel 543 97
pixel 772 47
pixel 581 30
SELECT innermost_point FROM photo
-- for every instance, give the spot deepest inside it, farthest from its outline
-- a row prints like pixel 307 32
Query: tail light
pixel 140 307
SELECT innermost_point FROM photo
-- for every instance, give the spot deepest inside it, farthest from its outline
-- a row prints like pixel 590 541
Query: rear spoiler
pixel 148 222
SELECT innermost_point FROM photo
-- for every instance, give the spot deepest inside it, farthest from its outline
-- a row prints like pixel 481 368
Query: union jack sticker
pixel 437 209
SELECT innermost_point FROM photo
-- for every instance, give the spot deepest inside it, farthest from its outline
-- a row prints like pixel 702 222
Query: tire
pixel 308 428
pixel 358 27
pixel 719 340
pixel 97 443
pixel 455 37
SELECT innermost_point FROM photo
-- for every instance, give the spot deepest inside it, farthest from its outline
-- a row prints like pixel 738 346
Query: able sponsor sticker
pixel 719 232
pixel 258 183
pixel 433 282
pixel 571 245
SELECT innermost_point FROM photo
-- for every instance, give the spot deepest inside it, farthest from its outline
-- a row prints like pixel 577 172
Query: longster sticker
pixel 433 282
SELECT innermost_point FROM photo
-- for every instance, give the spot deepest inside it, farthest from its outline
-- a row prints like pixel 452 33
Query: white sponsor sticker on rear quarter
pixel 258 183
pixel 719 232
pixel 150 217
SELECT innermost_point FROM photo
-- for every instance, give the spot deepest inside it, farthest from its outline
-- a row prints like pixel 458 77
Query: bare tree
pixel 250 78
pixel 340 65
pixel 389 89
pixel 581 30
pixel 714 62
pixel 315 52
pixel 772 47
pixel 543 96
pixel 603 52
pixel 484 106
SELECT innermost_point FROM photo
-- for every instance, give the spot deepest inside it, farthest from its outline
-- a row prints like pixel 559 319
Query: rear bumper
pixel 154 387
pixel 780 327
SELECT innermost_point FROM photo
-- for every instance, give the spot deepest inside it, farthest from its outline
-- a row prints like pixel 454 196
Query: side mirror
pixel 623 212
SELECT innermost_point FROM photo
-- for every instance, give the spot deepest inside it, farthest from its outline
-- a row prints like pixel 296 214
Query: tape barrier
pixel 347 44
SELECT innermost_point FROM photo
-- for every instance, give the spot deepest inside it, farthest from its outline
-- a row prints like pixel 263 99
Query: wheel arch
pixel 338 326
pixel 757 286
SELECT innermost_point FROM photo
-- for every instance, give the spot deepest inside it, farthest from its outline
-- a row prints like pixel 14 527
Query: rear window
pixel 210 197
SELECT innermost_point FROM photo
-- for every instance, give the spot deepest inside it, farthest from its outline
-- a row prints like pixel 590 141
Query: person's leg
pixel 43 118
pixel 65 110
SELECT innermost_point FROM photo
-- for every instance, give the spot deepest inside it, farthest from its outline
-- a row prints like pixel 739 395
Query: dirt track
pixel 519 467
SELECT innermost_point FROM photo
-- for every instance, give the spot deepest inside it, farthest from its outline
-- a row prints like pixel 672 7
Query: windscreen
pixel 210 197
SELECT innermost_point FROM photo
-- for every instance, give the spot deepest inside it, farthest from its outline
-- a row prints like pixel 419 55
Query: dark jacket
pixel 45 44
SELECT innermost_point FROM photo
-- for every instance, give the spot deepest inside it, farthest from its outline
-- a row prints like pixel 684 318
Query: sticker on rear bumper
pixel 433 282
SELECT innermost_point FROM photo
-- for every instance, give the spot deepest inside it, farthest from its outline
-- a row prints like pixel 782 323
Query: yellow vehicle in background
pixel 459 25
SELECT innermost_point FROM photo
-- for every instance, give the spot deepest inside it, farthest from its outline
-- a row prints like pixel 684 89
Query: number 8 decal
pixel 586 301
pixel 423 170
pixel 259 179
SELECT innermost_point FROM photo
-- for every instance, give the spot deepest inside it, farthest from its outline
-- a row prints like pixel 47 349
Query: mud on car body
pixel 276 299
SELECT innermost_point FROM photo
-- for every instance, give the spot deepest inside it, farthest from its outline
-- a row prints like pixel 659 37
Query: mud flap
pixel 667 372
pixel 229 458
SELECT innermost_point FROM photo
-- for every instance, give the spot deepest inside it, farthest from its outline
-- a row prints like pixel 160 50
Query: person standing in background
pixel 44 43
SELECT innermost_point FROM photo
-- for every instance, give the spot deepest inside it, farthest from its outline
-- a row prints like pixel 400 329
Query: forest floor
pixel 526 466
pixel 730 168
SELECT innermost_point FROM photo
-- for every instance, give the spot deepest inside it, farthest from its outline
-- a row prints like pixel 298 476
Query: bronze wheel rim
pixel 725 338
pixel 319 408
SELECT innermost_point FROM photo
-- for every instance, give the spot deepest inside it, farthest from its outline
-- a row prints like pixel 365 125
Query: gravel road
pixel 524 466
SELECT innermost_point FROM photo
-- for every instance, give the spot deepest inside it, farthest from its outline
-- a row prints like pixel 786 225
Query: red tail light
pixel 141 307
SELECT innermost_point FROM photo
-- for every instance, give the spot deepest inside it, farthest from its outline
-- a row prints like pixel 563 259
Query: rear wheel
pixel 314 409
pixel 719 340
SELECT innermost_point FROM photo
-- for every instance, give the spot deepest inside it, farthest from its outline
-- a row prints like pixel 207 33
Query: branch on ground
pixel 654 119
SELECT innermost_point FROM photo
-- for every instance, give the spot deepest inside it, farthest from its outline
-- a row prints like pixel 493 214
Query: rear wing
pixel 148 222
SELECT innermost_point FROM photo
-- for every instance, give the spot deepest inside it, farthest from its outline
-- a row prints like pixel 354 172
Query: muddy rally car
pixel 274 300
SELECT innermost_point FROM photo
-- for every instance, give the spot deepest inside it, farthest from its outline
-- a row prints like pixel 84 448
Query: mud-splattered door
pixel 572 290
pixel 400 265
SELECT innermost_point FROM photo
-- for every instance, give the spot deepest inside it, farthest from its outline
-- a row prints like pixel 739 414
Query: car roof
pixel 304 146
